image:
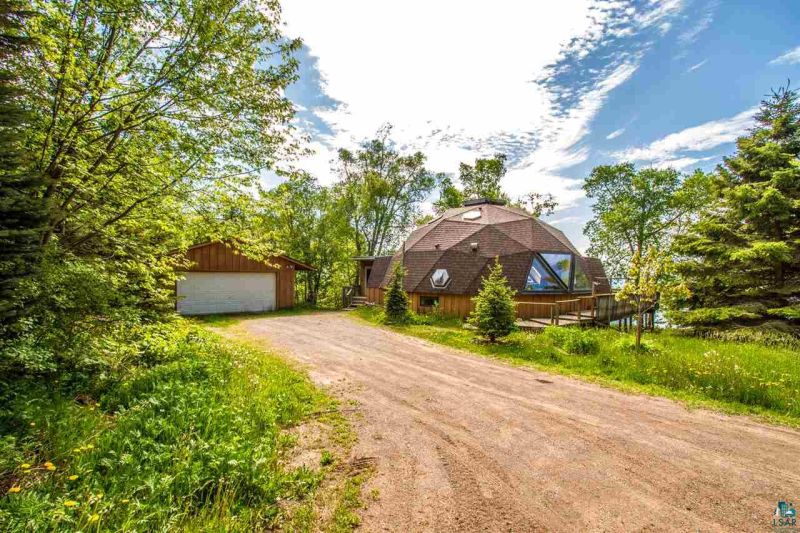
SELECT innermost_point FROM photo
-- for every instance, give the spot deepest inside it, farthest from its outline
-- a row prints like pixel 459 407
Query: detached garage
pixel 222 280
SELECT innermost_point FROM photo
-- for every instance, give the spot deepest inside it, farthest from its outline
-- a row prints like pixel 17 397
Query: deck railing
pixel 347 296
pixel 599 308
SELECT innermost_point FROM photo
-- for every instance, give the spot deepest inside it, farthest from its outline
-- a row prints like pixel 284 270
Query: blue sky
pixel 558 86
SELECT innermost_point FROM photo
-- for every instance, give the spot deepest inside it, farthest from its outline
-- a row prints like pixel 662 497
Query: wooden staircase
pixel 350 298
pixel 356 302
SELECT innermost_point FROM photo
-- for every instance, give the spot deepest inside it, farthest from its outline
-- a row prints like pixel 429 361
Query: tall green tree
pixel 450 196
pixel 482 179
pixel 741 258
pixel 380 191
pixel 494 315
pixel 304 219
pixel 22 212
pixel 145 110
pixel 635 209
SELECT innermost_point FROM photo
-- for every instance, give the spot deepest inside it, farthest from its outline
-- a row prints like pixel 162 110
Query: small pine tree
pixel 494 315
pixel 396 299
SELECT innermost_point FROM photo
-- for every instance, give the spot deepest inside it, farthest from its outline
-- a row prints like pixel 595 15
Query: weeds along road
pixel 464 443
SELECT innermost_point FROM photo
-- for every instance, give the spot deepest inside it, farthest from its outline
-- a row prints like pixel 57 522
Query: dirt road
pixel 468 444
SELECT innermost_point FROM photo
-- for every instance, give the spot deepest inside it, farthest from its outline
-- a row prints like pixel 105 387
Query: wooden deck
pixel 598 309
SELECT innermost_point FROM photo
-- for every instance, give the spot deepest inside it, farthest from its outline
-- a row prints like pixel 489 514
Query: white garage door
pixel 203 293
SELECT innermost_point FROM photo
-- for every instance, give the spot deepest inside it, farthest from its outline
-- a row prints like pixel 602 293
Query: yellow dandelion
pixel 48 464
pixel 94 518
pixel 77 450
pixel 72 477
pixel 99 495
pixel 125 501
pixel 51 467
pixel 25 465
pixel 90 446
pixel 15 489
pixel 70 503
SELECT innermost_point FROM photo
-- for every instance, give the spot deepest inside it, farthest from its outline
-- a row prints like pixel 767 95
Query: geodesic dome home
pixel 446 259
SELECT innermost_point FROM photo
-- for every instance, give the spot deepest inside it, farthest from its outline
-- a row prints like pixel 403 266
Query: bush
pixel 83 318
pixel 195 431
pixel 573 340
pixel 494 315
pixel 396 299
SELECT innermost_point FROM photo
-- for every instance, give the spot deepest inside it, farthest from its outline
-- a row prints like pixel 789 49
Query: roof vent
pixel 474 246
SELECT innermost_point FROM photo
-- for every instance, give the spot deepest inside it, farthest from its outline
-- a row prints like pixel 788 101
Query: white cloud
pixel 560 149
pixel 616 133
pixel 697 66
pixel 695 139
pixel 460 79
pixel 788 58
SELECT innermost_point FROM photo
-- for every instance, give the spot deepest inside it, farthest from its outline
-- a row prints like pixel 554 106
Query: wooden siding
pixel 217 257
pixel 375 295
pixel 460 305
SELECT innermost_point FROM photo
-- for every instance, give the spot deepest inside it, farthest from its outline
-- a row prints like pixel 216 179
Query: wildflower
pixel 33 424
pixel 72 477
pixel 77 450
pixel 50 466
pixel 15 489
pixel 126 501
pixel 99 495
pixel 94 518
pixel 90 446
pixel 25 465
pixel 70 503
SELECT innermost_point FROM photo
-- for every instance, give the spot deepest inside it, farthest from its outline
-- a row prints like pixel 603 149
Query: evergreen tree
pixel 741 258
pixel 494 315
pixel 22 212
pixel 396 299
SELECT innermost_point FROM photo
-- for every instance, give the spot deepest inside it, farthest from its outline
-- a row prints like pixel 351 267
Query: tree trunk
pixel 638 330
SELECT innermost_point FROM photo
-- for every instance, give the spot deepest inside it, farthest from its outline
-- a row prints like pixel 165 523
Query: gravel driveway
pixel 463 443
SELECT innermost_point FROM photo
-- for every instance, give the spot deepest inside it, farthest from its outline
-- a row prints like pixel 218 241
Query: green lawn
pixel 194 437
pixel 730 376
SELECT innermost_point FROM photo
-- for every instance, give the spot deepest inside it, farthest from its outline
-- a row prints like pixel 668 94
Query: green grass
pixel 192 440
pixel 735 377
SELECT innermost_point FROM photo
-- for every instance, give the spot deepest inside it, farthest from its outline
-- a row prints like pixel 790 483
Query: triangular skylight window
pixel 582 282
pixel 540 278
pixel 561 264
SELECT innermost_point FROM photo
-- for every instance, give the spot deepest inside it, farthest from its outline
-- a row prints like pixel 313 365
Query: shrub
pixel 494 315
pixel 396 299
pixel 573 340
pixel 196 432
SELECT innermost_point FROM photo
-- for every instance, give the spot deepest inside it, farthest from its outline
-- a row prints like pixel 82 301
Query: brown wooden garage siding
pixel 216 257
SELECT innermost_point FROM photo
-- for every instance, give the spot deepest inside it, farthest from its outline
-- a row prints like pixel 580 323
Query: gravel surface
pixel 463 443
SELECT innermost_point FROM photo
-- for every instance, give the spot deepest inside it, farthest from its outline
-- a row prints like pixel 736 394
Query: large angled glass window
pixel 561 264
pixel 582 282
pixel 540 278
